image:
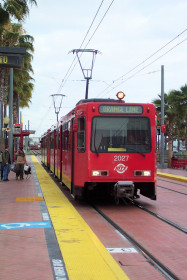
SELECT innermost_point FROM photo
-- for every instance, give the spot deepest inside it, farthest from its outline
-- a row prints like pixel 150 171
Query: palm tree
pixel 17 9
pixel 184 96
pixel 23 86
pixel 13 35
pixel 173 110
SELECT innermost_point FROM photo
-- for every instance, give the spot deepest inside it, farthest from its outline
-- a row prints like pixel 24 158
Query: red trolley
pixel 104 144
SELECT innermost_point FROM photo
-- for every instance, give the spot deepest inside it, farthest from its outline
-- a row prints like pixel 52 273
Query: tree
pixel 17 9
pixel 23 85
pixel 174 114
pixel 184 97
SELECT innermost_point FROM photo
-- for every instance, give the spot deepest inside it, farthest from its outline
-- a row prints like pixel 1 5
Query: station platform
pixel 173 174
pixel 42 236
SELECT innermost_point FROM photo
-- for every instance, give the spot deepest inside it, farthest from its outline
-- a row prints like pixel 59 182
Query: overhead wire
pixel 172 40
pixel 75 58
pixel 68 73
pixel 146 66
pixel 92 35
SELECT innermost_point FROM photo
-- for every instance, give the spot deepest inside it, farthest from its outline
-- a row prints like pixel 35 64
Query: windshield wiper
pixel 134 149
pixel 95 138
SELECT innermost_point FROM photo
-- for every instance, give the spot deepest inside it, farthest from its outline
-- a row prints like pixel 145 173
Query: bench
pixel 179 163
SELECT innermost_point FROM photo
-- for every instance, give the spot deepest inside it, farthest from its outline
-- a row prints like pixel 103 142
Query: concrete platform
pixel 173 174
pixel 42 236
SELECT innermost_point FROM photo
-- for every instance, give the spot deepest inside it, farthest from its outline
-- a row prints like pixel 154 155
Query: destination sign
pixel 121 109
pixel 10 60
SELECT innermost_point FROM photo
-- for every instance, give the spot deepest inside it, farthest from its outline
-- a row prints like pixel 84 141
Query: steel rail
pixel 173 182
pixel 184 230
pixel 164 270
pixel 171 190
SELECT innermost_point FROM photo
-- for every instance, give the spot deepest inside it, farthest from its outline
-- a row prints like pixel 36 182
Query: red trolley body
pixel 45 149
pixel 110 145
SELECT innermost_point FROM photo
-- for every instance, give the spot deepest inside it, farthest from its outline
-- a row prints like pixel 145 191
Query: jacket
pixel 20 158
pixel 6 157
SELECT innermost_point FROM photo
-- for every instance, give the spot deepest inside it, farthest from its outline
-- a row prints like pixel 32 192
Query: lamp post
pixel 57 107
pixel 6 121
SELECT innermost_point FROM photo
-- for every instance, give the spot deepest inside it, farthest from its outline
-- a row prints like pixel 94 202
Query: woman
pixel 6 163
pixel 20 161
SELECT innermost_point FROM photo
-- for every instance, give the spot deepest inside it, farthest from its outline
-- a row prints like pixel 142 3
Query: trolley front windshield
pixel 121 134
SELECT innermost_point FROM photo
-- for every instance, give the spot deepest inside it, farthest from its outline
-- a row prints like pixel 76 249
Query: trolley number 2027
pixel 121 158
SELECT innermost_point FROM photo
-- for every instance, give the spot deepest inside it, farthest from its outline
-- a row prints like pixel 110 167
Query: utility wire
pixel 176 37
pixel 100 22
pixel 147 65
pixel 64 80
pixel 67 73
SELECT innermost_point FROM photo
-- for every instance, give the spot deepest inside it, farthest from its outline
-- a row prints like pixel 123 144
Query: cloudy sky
pixel 135 37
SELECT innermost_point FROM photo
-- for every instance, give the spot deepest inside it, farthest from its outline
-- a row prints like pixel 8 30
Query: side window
pixel 59 142
pixel 69 136
pixel 55 134
pixel 52 141
pixel 64 137
pixel 81 135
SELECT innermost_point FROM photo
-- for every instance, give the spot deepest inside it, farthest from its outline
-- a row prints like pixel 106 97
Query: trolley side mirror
pixel 75 127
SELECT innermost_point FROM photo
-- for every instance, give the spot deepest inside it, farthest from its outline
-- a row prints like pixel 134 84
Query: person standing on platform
pixel 1 164
pixel 20 161
pixel 6 163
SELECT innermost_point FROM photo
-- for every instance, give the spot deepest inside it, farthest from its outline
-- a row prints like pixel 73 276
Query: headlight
pixel 95 173
pixel 147 173
pixel 99 173
pixel 142 173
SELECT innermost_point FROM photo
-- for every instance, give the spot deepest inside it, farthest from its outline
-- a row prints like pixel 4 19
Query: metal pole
pixel 87 85
pixel 162 116
pixel 18 109
pixel 11 115
pixel 0 119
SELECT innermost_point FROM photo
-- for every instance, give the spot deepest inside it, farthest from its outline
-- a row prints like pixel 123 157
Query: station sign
pixel 10 61
pixel 11 57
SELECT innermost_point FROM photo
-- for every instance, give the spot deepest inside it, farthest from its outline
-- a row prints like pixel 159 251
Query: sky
pixel 133 37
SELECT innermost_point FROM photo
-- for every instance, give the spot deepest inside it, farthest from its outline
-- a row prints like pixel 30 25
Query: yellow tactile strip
pixel 84 255
pixel 172 177
pixel 30 198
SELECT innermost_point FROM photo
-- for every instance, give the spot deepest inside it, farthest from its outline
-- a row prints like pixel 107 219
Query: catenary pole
pixel 10 140
pixel 162 116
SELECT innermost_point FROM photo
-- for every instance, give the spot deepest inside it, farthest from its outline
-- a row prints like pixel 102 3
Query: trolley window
pixel 81 135
pixel 66 136
pixel 52 141
pixel 55 141
pixel 121 134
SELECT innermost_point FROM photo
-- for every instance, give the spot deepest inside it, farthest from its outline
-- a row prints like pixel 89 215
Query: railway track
pixel 159 266
pixel 172 190
pixel 173 182
pixel 35 153
pixel 136 204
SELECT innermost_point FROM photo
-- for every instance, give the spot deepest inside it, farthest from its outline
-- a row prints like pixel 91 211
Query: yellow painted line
pixel 172 177
pixel 31 198
pixel 84 255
